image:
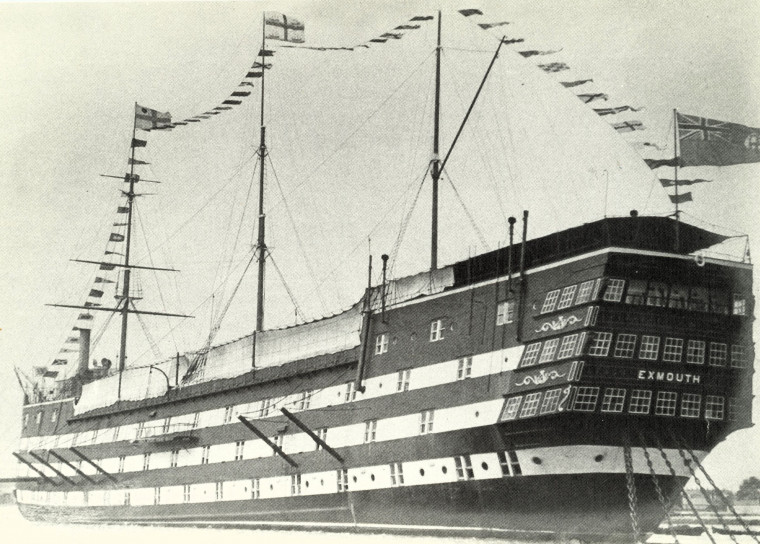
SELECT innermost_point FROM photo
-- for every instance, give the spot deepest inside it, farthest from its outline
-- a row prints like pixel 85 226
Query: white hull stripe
pixel 550 461
pixel 483 364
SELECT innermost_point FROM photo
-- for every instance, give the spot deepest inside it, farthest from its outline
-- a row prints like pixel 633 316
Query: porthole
pixel 372 477
pixel 422 472
pixel 307 483
pixel 536 460
pixel 477 414
pixel 271 487
pixel 354 479
pixel 321 482
pixel 444 469
pixel 599 458
pixel 484 465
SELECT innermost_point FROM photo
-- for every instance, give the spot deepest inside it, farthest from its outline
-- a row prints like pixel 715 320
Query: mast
pixel 127 271
pixel 261 245
pixel 675 177
pixel 436 161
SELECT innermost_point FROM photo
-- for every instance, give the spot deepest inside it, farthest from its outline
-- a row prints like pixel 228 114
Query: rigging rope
pixel 405 222
pixel 285 284
pixel 301 245
pixel 474 225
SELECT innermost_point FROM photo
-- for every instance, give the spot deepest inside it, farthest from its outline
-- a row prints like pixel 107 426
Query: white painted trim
pixel 548 461
pixel 47 402
pixel 483 364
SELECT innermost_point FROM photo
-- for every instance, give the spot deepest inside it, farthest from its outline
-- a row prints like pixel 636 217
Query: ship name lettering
pixel 679 377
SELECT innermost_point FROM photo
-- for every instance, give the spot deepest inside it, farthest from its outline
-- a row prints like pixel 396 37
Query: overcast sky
pixel 349 138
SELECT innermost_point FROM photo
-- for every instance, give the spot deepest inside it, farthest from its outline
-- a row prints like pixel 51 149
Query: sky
pixel 349 136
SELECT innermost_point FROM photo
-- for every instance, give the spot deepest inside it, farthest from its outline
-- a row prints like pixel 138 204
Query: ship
pixel 565 386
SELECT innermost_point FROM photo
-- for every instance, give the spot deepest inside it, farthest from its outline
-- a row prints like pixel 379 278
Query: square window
pixel 397 475
pixel 350 391
pixel 402 380
pixel 426 421
pixel 173 458
pixel 436 330
pixel 146 461
pixel 614 290
pixel 530 356
pixel 740 305
pixel 505 313
pixel 738 356
pixel 551 401
pixel 266 404
pixel 463 465
pixel 255 488
pixel 511 407
pixel 205 453
pixel 239 449
pixel 186 493
pixel 718 354
pixel 227 414
pixel 295 484
pixel 530 406
pixel 650 347
pixel 567 348
pixel 550 302
pixel 584 293
pixel 600 344
pixel 464 368
pixel 370 431
pixel 304 400
pixel 566 299
pixel 614 399
pixel 641 400
pixel 695 352
pixel 550 348
pixel 714 407
pixel 673 350
pixel 585 399
pixel 666 403
pixel 219 489
pixel 342 480
pixel 690 404
pixel 625 346
pixel 381 343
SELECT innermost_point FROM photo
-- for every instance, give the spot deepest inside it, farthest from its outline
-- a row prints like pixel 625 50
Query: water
pixel 16 529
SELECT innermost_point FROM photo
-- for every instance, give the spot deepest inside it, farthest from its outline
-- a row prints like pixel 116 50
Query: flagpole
pixel 675 176
pixel 261 244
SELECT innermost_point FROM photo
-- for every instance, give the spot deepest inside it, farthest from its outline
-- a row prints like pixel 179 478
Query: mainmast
pixel 436 160
pixel 261 245
pixel 675 178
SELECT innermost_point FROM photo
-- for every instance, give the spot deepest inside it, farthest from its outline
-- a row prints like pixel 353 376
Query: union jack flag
pixel 691 127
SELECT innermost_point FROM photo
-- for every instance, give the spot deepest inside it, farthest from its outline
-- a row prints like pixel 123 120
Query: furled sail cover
pixel 329 335
pixel 429 282
pixel 279 346
pixel 136 384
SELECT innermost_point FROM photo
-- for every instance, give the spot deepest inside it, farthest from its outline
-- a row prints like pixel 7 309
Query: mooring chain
pixel 631 485
pixel 723 497
pixel 684 494
pixel 663 501
pixel 705 493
